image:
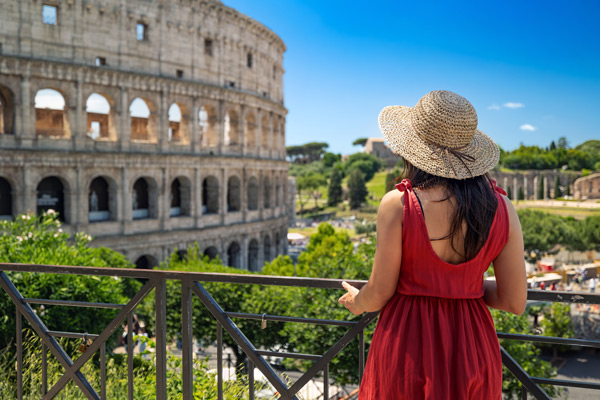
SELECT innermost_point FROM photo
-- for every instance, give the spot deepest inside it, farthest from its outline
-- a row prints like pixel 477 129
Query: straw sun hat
pixel 439 136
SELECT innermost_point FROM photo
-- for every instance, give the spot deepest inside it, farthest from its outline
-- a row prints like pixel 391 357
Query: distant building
pixel 588 187
pixel 378 148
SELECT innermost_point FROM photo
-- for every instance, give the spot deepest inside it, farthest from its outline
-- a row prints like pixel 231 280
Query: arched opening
pixel 140 199
pixel 233 194
pixel 266 133
pixel 250 131
pixel 211 252
pixel 98 111
pixel 175 198
pixel 5 199
pixel 140 120
pixel 174 123
pixel 7 111
pixel 210 195
pixel 207 117
pixel 252 194
pixel 50 196
pixel 234 258
pixel 231 135
pixel 267 249
pixel 50 115
pixel 266 193
pixel 99 206
pixel 253 255
pixel 146 262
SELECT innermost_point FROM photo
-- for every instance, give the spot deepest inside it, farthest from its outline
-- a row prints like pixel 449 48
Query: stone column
pixel 259 132
pixel 244 252
pixel 222 196
pixel 163 123
pixel 221 126
pixel 515 188
pixel 545 178
pixel 79 206
pixel 244 194
pixel 123 120
pixel 195 144
pixel 164 205
pixel 29 192
pixel 525 187
pixel 242 131
pixel 26 130
pixel 196 198
pixel 125 211
pixel 79 126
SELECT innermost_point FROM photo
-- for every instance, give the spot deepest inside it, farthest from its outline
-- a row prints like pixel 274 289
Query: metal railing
pixel 191 284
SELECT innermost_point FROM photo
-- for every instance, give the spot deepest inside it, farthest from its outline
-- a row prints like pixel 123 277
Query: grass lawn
pixel 575 212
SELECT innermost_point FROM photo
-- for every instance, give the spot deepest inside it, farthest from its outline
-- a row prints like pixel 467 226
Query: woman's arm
pixel 509 291
pixel 386 266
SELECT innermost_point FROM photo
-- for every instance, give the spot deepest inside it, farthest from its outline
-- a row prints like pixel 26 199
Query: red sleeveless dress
pixel 435 338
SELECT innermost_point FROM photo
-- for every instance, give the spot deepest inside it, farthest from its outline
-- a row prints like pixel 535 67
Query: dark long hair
pixel 475 203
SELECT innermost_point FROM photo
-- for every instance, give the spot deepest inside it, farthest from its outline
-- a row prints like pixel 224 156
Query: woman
pixel 436 236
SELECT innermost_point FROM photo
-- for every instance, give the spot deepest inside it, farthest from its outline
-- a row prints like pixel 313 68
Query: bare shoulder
pixel 391 206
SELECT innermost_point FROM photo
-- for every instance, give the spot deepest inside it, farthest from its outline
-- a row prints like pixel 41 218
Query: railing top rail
pixel 319 283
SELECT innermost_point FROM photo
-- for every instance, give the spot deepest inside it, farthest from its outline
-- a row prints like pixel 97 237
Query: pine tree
pixel 557 191
pixel 357 189
pixel 552 146
pixel 334 193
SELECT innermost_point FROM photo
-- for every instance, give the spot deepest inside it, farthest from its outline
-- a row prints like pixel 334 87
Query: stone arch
pixel 267 248
pixel 211 252
pixel 51 196
pixel 266 192
pixel 180 196
pixel 101 200
pixel 207 118
pixel 234 255
pixel 7 111
pixel 144 198
pixel 252 193
pixel 179 118
pixel 143 120
pixel 100 118
pixel 146 261
pixel 250 131
pixel 232 129
pixel 253 255
pixel 51 114
pixel 6 208
pixel 266 133
pixel 210 195
pixel 234 198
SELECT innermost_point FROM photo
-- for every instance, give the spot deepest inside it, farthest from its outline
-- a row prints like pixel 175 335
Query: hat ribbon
pixel 455 151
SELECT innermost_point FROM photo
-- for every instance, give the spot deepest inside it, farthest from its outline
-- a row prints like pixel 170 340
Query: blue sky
pixel 530 68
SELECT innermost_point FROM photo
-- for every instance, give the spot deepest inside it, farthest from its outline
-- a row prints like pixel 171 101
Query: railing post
pixel 44 369
pixel 361 356
pixel 19 325
pixel 326 382
pixel 103 371
pixel 187 338
pixel 220 362
pixel 523 393
pixel 129 357
pixel 161 339
pixel 250 379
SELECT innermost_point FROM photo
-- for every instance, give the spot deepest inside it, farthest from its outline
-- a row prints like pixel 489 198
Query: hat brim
pixel 395 125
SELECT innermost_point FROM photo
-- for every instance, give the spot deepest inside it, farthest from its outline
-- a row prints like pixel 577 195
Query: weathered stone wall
pixel 588 187
pixel 529 183
pixel 231 126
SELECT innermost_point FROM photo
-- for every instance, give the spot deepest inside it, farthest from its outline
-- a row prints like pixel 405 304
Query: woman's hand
pixel 349 299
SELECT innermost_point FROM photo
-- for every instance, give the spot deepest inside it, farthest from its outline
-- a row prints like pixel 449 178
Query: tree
pixel 557 191
pixel 366 163
pixel 334 193
pixel 557 323
pixel 357 189
pixel 360 142
pixel 520 194
pixel 390 180
pixel 329 159
pixel 540 188
pixel 552 146
pixel 313 182
pixel 562 143
pixel 509 192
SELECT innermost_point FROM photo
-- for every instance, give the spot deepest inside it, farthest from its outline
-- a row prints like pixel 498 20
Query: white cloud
pixel 528 127
pixel 511 104
pixel 494 107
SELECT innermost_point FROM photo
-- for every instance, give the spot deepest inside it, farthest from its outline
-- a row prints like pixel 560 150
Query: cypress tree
pixel 357 189
pixel 520 194
pixel 334 193
pixel 540 188
pixel 509 192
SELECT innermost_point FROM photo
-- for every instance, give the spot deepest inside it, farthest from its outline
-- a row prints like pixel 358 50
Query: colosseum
pixel 149 124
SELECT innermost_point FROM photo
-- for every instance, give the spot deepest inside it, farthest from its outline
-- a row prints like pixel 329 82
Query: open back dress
pixel 435 338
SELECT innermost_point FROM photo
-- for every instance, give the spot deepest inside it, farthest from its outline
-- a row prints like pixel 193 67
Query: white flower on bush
pixel 50 212
pixel 19 238
pixel 56 235
pixel 26 216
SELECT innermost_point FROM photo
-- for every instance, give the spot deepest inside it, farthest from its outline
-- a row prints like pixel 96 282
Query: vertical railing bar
pixel 361 355
pixel 103 371
pixel 523 393
pixel 19 327
pixel 44 369
pixel 220 361
pixel 187 337
pixel 251 380
pixel 130 356
pixel 161 339
pixel 326 382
